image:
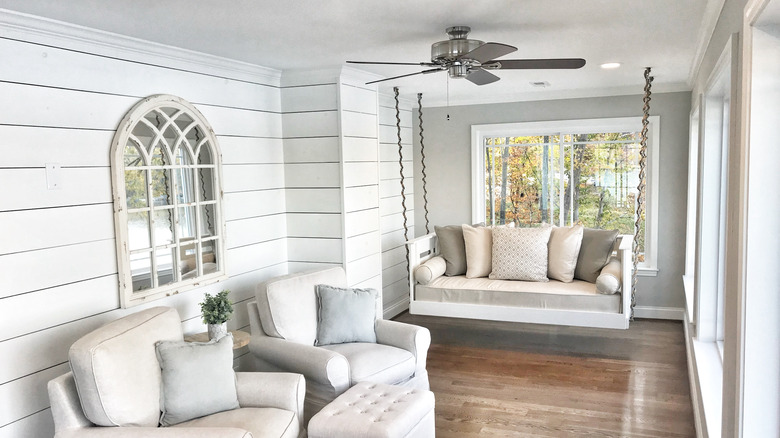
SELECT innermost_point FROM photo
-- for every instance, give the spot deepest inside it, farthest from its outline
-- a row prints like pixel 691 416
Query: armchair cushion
pixel 260 422
pixel 345 315
pixel 287 305
pixel 111 390
pixel 376 362
pixel 197 379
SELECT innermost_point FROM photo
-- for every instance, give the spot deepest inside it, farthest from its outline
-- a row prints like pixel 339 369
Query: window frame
pixel 129 297
pixel 579 126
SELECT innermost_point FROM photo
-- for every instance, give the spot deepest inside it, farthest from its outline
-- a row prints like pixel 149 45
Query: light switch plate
pixel 53 176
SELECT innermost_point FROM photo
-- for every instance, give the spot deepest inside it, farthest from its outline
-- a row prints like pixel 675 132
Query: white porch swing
pixel 486 302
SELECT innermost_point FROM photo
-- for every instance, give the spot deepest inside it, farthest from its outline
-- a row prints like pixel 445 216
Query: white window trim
pixel 127 296
pixel 693 189
pixel 478 132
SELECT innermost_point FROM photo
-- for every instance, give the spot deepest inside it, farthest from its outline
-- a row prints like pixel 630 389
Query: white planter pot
pixel 217 331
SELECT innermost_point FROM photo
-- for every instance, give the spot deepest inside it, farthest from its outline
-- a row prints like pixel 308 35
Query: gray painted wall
pixel 448 169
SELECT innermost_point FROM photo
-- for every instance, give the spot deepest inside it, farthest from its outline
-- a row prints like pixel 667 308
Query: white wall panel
pixel 360 174
pixel 310 266
pixel 311 150
pixel 241 178
pixel 387 117
pixel 32 146
pixel 358 124
pixel 360 149
pixel 248 258
pixel 389 134
pixel 234 121
pixel 243 205
pixel 372 283
pixel 389 152
pixel 358 99
pixel 314 201
pixel 392 170
pixel 32 63
pixel 255 230
pixel 361 222
pixel 394 273
pixel 363 269
pixel 78 185
pixel 29 393
pixel 26 230
pixel 30 312
pixel 389 188
pixel 394 239
pixel 394 222
pixel 314 225
pixel 319 175
pixel 315 250
pixel 360 198
pixel 33 270
pixel 250 150
pixel 40 424
pixel 313 124
pixel 393 256
pixel 361 246
pixel 323 97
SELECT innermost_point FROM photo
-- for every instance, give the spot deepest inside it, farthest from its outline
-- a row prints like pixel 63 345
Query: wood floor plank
pixel 523 380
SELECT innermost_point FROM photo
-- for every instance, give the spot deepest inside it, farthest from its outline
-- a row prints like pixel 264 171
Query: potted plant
pixel 216 310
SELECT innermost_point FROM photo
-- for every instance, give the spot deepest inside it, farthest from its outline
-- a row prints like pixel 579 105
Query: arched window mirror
pixel 166 170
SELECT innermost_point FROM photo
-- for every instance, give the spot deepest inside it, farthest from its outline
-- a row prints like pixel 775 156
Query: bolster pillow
pixel 608 282
pixel 432 269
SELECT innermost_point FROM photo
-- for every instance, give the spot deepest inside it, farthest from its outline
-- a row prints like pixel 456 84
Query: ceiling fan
pixel 471 59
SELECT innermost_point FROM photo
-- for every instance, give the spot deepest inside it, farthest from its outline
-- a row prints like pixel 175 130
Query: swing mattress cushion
pixel 578 295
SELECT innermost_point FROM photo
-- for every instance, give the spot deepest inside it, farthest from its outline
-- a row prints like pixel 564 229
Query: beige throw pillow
pixel 479 247
pixel 520 253
pixel 564 248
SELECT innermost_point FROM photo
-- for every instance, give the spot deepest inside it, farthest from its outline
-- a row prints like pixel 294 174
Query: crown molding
pixel 711 15
pixel 44 31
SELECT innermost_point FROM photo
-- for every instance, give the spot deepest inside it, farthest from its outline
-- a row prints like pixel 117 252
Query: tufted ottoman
pixel 376 410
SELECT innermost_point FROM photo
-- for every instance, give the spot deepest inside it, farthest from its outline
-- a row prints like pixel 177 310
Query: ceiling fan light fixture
pixel 610 65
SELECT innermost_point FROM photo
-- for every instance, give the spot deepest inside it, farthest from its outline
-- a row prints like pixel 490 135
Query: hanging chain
pixel 640 198
pixel 202 182
pixel 403 187
pixel 422 152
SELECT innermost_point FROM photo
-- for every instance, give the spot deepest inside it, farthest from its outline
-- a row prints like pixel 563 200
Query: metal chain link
pixel 640 198
pixel 403 187
pixel 422 152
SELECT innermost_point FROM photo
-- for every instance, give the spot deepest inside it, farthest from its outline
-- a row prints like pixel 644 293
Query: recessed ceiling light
pixel 540 84
pixel 610 65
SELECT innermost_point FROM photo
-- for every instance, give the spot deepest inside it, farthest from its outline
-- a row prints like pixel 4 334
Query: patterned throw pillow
pixel 520 253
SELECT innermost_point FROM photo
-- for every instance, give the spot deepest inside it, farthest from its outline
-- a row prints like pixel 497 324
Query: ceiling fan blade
pixel 433 70
pixel 481 77
pixel 488 52
pixel 425 64
pixel 532 64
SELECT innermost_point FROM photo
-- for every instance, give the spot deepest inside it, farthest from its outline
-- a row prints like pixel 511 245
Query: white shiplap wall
pixel 62 97
pixel 332 173
pixel 395 285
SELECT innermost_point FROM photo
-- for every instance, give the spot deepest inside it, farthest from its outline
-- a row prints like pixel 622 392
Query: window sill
pixel 709 370
pixel 646 272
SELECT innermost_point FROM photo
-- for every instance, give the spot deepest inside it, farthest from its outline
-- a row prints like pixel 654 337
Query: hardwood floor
pixel 524 380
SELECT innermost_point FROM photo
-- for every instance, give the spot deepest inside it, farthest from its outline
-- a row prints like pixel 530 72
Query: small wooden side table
pixel 240 338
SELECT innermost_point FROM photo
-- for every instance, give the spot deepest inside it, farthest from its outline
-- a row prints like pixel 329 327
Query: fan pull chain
pixel 640 198
pixel 403 187
pixel 422 152
pixel 448 97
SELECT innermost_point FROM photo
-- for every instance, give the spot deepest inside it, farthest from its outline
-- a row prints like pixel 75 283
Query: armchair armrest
pixel 318 364
pixel 410 337
pixel 275 390
pixel 154 432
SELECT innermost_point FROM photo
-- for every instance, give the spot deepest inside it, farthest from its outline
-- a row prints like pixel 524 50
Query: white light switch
pixel 53 176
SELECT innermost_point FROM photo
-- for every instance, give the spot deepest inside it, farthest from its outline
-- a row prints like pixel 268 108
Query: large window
pixel 167 200
pixel 562 173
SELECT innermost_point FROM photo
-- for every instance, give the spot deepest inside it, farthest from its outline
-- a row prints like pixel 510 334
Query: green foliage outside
pixel 216 309
pixel 599 175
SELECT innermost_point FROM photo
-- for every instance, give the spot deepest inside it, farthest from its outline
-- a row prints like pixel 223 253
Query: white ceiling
pixel 317 34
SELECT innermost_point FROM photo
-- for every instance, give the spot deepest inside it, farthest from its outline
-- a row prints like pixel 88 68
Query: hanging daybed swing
pixel 453 300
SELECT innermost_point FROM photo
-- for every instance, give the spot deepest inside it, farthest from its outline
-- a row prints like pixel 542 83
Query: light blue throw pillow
pixel 345 315
pixel 197 379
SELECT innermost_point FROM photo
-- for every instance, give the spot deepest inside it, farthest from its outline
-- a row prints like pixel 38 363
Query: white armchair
pixel 119 382
pixel 283 322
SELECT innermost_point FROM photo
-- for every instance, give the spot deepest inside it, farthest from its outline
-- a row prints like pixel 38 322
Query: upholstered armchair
pixel 116 380
pixel 284 324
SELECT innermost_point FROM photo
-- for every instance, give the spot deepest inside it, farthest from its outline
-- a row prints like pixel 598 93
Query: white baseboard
pixel 673 313
pixel 396 308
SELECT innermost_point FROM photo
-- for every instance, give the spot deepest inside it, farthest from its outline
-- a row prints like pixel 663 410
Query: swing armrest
pixel 420 250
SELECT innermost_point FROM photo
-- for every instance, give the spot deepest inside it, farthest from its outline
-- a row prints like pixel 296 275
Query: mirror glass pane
pixel 132 156
pixel 185 187
pixel 164 261
pixel 186 223
pixel 138 230
pixel 140 270
pixel 207 220
pixel 161 183
pixel 204 155
pixel 206 184
pixel 163 226
pixel 135 188
pixel 183 155
pixel 208 253
pixel 188 265
pixel 144 134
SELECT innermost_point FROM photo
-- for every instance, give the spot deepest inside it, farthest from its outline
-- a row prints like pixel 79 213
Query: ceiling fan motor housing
pixel 447 52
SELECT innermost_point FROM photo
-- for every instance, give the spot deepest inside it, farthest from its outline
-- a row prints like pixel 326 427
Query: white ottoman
pixel 376 410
